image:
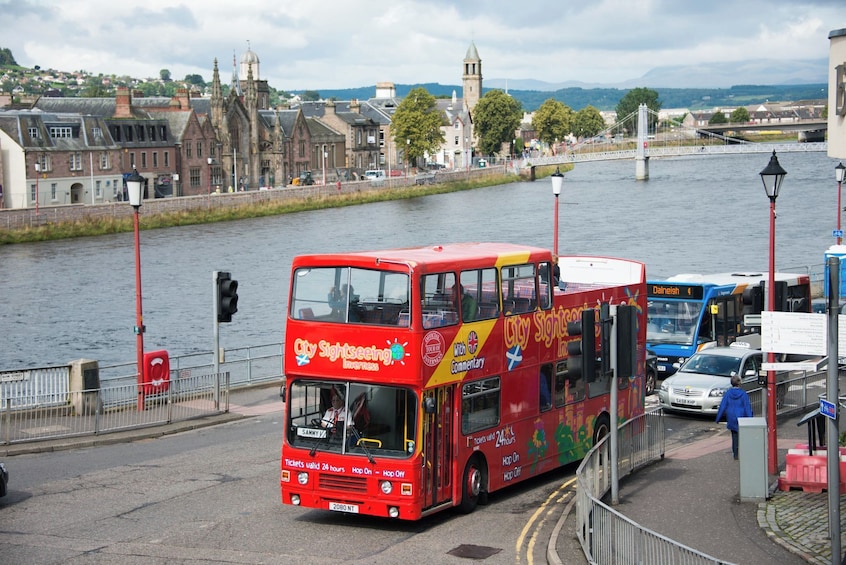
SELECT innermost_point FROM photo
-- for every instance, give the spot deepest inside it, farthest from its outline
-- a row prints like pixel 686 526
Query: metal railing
pixel 112 408
pixel 606 536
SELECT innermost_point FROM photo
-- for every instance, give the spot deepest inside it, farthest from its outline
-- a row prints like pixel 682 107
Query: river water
pixel 74 299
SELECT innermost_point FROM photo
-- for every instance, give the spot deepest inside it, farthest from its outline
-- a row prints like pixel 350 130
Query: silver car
pixel 698 386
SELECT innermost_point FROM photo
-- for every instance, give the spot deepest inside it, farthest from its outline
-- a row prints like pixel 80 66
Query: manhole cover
pixel 473 551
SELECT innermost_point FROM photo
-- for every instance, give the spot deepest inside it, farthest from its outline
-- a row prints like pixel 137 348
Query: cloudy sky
pixel 323 44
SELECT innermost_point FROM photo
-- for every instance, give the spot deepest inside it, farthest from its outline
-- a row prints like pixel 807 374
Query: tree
pixel 496 118
pixel 740 116
pixel 165 75
pixel 310 96
pixel 416 125
pixel 6 57
pixel 553 121
pixel 588 122
pixel 195 80
pixel 632 100
pixel 717 118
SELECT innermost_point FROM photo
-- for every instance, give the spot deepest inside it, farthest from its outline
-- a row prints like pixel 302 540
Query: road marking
pixel 524 532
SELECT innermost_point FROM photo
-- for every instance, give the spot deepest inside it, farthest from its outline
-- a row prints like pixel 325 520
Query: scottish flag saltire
pixel 302 359
pixel 514 356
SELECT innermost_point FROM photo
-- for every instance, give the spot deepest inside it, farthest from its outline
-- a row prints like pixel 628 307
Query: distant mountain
pixel 704 75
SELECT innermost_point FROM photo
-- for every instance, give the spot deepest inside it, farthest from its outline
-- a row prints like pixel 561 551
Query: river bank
pixel 95 220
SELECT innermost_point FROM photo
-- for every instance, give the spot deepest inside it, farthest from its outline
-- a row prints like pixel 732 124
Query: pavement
pixel 691 496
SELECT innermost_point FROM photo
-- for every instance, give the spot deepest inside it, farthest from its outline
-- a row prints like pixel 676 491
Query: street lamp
pixel 323 151
pixel 134 186
pixel 772 177
pixel 37 174
pixel 407 147
pixel 838 175
pixel 557 181
pixel 210 161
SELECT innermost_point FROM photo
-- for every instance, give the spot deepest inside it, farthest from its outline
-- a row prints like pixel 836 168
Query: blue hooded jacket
pixel 735 404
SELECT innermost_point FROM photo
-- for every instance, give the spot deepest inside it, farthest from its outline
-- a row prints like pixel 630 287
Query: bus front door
pixel 437 447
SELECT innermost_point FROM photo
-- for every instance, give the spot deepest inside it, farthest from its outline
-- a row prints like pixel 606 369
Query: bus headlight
pixel 387 487
pixel 393 512
pixel 302 478
pixel 295 499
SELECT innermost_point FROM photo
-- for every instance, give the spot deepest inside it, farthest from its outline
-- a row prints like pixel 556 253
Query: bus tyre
pixel 601 428
pixel 471 485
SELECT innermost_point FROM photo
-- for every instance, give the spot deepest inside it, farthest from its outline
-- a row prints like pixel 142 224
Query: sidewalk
pixel 693 497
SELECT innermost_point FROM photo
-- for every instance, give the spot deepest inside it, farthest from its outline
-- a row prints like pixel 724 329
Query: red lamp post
pixel 772 177
pixel 557 182
pixel 134 185
pixel 838 175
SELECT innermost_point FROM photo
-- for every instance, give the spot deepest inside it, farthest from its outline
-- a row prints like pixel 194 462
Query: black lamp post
pixel 557 182
pixel 135 187
pixel 772 176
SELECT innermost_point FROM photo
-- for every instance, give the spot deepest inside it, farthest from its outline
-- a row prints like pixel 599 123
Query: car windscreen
pixel 719 365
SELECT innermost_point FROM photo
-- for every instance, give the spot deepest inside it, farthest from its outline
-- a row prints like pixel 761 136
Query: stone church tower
pixel 472 78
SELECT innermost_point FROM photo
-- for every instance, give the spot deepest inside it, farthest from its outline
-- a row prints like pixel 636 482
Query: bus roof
pixel 437 256
pixel 735 278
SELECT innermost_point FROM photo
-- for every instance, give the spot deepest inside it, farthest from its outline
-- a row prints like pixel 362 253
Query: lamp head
pixel 772 176
pixel 557 181
pixel 134 184
pixel 210 160
pixel 838 172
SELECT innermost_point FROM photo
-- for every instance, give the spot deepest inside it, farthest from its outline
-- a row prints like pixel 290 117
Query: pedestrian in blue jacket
pixel 735 404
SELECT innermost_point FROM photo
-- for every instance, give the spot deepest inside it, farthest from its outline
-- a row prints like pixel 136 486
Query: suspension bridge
pixel 663 138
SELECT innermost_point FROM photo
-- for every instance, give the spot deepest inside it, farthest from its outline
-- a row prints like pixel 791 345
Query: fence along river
pixel 72 299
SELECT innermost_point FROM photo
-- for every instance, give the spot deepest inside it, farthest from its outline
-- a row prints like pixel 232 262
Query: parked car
pixel 374 174
pixel 698 386
pixel 4 479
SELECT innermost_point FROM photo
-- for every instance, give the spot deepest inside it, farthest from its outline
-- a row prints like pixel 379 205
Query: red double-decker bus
pixel 422 379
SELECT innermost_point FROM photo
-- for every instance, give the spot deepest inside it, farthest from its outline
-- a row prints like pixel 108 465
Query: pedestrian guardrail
pixel 112 407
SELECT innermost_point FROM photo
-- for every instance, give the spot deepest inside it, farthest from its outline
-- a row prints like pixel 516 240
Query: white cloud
pixel 348 43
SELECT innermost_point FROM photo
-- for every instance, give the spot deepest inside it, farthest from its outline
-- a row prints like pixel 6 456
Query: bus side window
pixel 545 388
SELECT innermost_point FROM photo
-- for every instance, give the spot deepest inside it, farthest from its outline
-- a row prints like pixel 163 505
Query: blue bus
pixel 689 312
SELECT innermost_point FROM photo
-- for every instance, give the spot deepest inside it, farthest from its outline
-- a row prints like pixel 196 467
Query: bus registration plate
pixel 341 507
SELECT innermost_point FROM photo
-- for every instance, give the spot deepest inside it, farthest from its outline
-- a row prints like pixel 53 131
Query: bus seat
pixel 360 413
pixel 306 314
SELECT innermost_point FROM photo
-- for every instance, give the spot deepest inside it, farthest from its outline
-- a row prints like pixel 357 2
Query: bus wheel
pixel 471 485
pixel 601 428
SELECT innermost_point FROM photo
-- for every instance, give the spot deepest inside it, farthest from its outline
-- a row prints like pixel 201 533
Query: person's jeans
pixel 734 443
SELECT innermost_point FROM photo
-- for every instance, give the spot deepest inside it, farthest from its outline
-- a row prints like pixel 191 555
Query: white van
pixel 374 174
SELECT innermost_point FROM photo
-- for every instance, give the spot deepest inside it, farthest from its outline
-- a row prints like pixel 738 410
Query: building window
pixel 104 161
pixel 44 162
pixel 381 138
pixel 32 194
pixel 155 159
pixel 75 161
pixel 194 173
pixel 97 132
pixel 199 149
pixel 53 191
pixel 188 149
pixel 151 132
pixel 302 149
pixel 166 159
pixel 97 189
pixel 61 132
pixel 33 133
pixel 456 140
pixel 132 160
pixel 143 159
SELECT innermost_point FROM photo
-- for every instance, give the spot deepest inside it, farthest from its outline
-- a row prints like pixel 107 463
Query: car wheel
pixel 649 385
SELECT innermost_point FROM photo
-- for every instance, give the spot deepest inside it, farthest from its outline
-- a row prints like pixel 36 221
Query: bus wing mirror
pixel 429 405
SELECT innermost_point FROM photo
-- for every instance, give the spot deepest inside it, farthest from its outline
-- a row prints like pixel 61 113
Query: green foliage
pixel 629 104
pixel 588 122
pixel 6 57
pixel 195 80
pixel 310 96
pixel 416 125
pixel 495 119
pixel 164 74
pixel 553 121
pixel 740 116
pixel 717 118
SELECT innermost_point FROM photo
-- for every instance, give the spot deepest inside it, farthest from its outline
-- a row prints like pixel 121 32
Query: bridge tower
pixel 641 158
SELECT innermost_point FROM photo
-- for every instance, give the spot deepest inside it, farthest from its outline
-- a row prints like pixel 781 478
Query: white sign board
pixel 799 333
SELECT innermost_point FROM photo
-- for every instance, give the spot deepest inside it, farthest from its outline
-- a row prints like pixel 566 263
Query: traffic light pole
pixel 216 325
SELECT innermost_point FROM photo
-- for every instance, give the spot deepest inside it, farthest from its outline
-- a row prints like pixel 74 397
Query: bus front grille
pixel 346 484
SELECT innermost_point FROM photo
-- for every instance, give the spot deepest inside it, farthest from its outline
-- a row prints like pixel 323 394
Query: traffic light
pixel 626 341
pixel 227 297
pixel 581 353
